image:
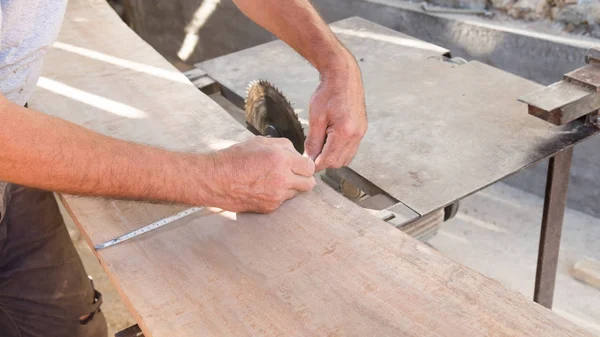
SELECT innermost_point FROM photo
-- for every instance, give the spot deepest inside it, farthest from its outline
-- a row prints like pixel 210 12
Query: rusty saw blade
pixel 269 113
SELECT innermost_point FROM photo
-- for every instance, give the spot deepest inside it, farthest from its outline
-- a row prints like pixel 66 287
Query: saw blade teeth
pixel 248 88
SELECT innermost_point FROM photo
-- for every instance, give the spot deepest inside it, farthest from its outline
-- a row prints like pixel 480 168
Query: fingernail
pixel 306 155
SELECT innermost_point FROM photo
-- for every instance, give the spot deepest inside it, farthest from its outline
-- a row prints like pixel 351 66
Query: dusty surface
pixel 496 233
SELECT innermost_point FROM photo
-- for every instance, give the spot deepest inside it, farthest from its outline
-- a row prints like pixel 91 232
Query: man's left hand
pixel 337 117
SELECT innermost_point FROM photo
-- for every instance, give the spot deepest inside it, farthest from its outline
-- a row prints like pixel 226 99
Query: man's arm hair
pixel 46 152
pixel 298 24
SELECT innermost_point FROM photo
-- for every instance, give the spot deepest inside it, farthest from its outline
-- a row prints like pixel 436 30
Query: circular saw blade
pixel 267 109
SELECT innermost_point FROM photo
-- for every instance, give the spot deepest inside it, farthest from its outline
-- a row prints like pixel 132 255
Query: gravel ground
pixel 496 232
pixel 117 314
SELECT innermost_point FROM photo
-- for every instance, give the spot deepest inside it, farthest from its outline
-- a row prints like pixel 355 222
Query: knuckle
pixel 267 208
pixel 315 102
pixel 270 200
pixel 273 157
pixel 333 163
pixel 280 181
pixel 285 141
pixel 310 185
pixel 286 162
pixel 329 161
pixel 280 167
pixel 316 118
pixel 272 205
pixel 349 130
pixel 258 139
pixel 277 181
pixel 318 121
pixel 279 198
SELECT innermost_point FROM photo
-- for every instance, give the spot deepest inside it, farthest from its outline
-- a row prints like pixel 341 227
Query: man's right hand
pixel 259 175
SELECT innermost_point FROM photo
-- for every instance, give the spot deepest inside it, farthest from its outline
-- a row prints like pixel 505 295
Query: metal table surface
pixel 437 131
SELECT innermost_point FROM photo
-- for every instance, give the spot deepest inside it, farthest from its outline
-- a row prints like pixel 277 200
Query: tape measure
pixel 148 228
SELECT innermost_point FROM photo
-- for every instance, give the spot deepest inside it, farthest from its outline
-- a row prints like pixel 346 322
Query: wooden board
pixel 437 131
pixel 587 271
pixel 319 266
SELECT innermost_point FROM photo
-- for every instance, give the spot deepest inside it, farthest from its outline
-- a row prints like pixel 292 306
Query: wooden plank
pixel 587 271
pixel 561 102
pixel 587 76
pixel 319 266
pixel 556 96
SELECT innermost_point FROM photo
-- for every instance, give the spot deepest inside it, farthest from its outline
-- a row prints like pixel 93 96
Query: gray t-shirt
pixel 27 30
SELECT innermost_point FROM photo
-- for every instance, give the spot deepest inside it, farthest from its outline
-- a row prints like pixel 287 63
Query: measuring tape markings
pixel 148 228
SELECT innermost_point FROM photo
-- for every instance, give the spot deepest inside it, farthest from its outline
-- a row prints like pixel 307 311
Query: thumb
pixel 316 138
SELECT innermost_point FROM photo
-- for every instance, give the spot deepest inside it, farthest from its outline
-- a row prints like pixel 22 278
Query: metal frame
pixel 555 202
pixel 132 331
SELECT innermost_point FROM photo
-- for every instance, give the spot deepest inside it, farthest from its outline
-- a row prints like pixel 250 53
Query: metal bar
pixel 593 56
pixel 552 221
pixel 132 331
pixel 447 10
pixel 359 181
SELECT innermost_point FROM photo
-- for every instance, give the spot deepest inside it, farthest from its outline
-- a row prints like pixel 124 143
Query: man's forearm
pixel 337 114
pixel 41 151
pixel 297 23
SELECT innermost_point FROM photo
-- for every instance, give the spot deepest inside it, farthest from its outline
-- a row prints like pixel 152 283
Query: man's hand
pixel 337 117
pixel 337 113
pixel 259 175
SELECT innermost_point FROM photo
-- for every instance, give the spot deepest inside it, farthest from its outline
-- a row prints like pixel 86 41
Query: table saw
pixel 320 265
pixel 440 129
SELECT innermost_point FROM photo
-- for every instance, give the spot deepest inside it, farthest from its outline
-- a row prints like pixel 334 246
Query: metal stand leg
pixel 132 331
pixel 552 221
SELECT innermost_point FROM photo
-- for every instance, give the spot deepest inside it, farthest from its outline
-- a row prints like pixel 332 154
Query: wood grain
pixel 587 271
pixel 319 266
